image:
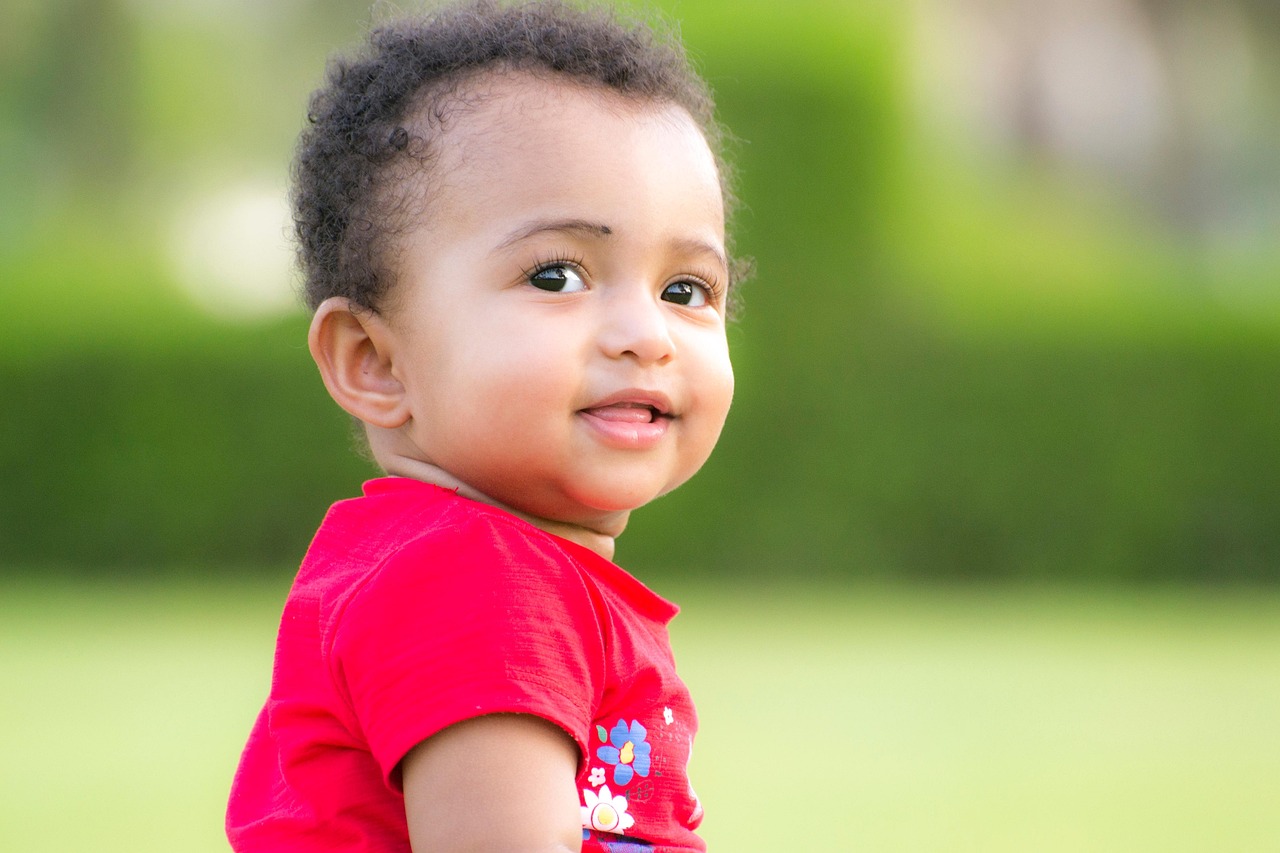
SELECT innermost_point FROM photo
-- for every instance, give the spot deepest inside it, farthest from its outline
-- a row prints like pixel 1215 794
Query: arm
pixel 502 783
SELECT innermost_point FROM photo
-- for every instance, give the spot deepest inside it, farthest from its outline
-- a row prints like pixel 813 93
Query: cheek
pixel 723 400
pixel 714 379
pixel 518 374
pixel 712 384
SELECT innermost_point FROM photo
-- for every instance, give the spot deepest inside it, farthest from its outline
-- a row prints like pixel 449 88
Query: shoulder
pixel 461 559
pixel 403 531
pixel 475 613
pixel 479 551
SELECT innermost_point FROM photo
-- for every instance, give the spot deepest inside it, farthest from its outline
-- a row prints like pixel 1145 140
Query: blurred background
pixel 1003 449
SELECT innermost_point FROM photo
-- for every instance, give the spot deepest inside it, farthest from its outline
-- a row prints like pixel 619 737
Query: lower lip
pixel 625 435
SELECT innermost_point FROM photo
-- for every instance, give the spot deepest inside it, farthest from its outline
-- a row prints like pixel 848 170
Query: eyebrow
pixel 561 226
pixel 600 231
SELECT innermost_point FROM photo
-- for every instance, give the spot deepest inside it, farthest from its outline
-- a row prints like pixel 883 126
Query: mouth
pixel 627 423
pixel 631 407
pixel 627 413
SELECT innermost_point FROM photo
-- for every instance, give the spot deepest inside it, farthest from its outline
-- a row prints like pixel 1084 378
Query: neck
pixel 599 536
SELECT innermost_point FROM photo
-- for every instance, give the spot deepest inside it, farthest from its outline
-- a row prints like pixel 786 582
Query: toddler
pixel 511 224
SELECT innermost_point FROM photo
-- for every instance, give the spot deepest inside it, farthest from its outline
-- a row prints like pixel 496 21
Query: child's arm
pixel 503 783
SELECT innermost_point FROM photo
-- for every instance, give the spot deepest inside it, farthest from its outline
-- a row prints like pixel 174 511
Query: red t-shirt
pixel 416 609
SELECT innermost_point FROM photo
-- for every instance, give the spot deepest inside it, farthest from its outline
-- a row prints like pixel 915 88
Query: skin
pixel 554 345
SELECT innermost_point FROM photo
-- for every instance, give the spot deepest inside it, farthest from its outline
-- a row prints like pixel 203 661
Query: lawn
pixel 878 719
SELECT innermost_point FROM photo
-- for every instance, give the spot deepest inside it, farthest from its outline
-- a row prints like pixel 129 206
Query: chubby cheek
pixel 712 385
pixel 521 393
pixel 715 375
pixel 719 397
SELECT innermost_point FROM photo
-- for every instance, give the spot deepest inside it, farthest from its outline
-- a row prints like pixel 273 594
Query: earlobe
pixel 352 349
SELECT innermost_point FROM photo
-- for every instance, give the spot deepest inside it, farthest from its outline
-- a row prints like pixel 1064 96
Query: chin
pixel 611 501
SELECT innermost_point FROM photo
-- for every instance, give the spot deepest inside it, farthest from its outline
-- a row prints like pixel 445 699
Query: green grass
pixel 879 719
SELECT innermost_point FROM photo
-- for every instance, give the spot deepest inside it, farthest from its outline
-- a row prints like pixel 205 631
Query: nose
pixel 635 326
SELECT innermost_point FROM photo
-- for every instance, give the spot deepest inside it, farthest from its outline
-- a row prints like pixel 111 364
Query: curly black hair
pixel 357 149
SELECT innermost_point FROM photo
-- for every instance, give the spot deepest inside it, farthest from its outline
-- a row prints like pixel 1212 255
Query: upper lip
pixel 655 400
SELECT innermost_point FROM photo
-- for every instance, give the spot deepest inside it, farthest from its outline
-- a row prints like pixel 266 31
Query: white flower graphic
pixel 605 812
pixel 668 716
pixel 597 777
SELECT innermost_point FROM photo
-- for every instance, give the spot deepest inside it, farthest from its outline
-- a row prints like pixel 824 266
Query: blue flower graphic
pixel 627 751
pixel 622 845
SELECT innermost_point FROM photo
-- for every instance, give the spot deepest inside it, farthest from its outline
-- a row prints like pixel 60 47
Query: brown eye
pixel 685 293
pixel 557 278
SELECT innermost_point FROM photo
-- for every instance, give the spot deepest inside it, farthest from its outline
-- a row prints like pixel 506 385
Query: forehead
pixel 505 100
pixel 525 137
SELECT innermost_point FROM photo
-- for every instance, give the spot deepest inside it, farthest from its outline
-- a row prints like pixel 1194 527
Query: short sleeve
pixel 487 616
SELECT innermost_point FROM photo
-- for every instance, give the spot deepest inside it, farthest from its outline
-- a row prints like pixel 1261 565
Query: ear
pixel 353 349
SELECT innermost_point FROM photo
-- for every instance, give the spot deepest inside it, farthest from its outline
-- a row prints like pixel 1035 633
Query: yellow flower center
pixel 628 753
pixel 606 817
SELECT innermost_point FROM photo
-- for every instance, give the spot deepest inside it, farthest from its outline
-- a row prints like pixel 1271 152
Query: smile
pixel 629 421
pixel 628 413
pixel 632 405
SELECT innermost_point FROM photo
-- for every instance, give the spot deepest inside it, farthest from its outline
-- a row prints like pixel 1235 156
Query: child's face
pixel 559 312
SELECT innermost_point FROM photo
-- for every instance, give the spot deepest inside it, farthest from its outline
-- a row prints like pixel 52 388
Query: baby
pixel 512 230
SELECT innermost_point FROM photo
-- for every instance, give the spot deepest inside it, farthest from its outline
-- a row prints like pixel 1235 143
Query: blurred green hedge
pixel 900 456
pixel 870 436
pixel 123 458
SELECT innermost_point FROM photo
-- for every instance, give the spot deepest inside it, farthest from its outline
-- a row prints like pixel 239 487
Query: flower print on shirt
pixel 627 751
pixel 597 777
pixel 605 812
pixel 622 844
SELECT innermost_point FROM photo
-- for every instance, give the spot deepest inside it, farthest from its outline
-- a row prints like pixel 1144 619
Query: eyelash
pixel 553 261
pixel 709 283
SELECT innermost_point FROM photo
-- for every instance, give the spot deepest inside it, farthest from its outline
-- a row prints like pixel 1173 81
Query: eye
pixel 557 278
pixel 688 293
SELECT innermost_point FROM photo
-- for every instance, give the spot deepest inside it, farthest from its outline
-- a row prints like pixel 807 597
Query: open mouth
pixel 631 419
pixel 628 413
